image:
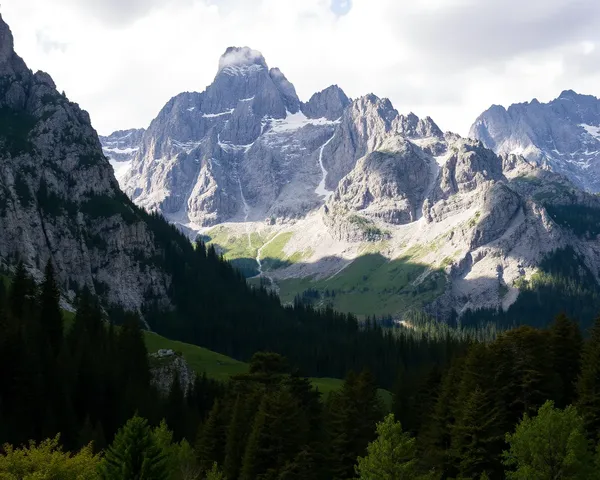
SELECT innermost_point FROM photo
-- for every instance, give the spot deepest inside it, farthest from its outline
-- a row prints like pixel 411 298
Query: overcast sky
pixel 451 59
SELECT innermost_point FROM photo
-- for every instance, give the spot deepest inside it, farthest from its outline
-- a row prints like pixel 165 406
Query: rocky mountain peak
pixel 329 103
pixel 241 60
pixel 412 126
pixel 287 90
pixel 563 134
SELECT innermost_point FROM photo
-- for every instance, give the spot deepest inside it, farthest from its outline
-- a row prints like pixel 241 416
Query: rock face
pixel 59 199
pixel 165 366
pixel 563 135
pixel 120 147
pixel 329 103
pixel 336 178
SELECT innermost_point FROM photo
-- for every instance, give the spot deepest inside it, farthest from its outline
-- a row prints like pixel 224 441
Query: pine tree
pixel 278 435
pixel 176 408
pixel 588 383
pixel 565 345
pixel 476 439
pixel 234 447
pixel 209 446
pixel 134 454
pixel 20 289
pixel 434 441
pixel 50 313
pixel 390 456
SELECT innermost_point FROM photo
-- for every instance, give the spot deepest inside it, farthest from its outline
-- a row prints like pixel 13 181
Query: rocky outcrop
pixel 389 185
pixel 167 365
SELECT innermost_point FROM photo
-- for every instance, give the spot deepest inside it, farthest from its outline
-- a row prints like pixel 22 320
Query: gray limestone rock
pixel 329 103
pixel 59 199
pixel 563 135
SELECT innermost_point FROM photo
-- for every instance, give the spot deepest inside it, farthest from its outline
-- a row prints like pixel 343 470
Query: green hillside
pixel 221 367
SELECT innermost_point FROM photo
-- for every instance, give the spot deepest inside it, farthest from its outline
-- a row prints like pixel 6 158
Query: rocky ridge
pixel 562 135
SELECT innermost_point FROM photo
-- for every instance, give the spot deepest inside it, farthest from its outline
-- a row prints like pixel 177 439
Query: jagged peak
pixel 241 60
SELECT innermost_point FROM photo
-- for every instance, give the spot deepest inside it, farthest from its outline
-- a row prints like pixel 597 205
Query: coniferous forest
pixel 77 402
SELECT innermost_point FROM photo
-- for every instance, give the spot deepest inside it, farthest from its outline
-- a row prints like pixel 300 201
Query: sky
pixel 122 60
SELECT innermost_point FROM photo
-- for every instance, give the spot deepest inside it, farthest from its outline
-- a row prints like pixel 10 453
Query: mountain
pixel 350 204
pixel 120 147
pixel 60 204
pixel 562 135
pixel 59 199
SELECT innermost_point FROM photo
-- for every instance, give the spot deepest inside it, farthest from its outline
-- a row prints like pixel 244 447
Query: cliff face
pixel 562 135
pixel 59 198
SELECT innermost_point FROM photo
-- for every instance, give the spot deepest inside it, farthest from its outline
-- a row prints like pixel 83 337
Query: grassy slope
pixel 221 367
pixel 373 285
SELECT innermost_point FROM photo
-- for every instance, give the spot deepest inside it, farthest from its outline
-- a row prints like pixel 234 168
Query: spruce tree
pixel 390 456
pixel 565 345
pixel 50 313
pixel 211 438
pixel 176 408
pixel 588 383
pixel 20 288
pixel 476 439
pixel 234 446
pixel 134 455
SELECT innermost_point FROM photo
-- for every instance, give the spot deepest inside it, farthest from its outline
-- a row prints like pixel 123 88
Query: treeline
pixel 83 380
pixel 215 308
pixel 564 283
pixel 460 416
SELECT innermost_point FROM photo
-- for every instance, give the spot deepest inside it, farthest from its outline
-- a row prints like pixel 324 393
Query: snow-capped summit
pixel 241 60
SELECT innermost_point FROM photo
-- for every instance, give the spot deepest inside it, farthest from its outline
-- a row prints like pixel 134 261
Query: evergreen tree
pixel 211 438
pixel 588 383
pixel 279 432
pixel 550 446
pixel 391 456
pixel 134 455
pixel 353 413
pixel 565 345
pixel 20 289
pixel 215 473
pixel 50 313
pixel 176 408
pixel 234 447
pixel 476 440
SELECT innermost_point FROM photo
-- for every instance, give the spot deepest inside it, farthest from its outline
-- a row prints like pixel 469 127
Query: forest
pixel 77 402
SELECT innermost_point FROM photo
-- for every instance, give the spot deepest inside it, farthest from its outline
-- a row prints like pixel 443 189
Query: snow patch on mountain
pixel 296 121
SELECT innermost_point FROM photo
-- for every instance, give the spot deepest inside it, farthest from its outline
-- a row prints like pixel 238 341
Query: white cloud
pixel 450 59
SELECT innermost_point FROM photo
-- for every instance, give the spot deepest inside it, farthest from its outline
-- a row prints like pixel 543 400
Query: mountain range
pixel 346 202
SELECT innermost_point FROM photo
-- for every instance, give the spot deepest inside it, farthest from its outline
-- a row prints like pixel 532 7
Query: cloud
pixel 450 59
pixel 48 44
